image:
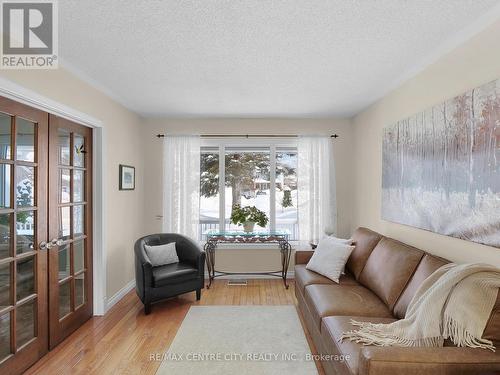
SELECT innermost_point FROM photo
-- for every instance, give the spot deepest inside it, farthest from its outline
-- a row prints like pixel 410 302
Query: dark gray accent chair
pixel 153 284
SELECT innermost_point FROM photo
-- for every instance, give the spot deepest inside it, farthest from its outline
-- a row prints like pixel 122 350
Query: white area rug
pixel 239 340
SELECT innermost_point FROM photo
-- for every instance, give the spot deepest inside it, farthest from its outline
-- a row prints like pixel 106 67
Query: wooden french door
pixel 69 227
pixel 45 232
pixel 23 223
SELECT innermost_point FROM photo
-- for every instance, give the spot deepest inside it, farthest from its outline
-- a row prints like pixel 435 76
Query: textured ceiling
pixel 257 58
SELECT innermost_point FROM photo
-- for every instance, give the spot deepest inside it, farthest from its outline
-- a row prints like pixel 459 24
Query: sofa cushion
pixel 173 273
pixel 425 268
pixel 305 277
pixel 389 268
pixel 332 328
pixel 328 300
pixel 364 241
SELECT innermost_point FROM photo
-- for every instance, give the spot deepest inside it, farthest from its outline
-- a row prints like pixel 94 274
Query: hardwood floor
pixel 121 341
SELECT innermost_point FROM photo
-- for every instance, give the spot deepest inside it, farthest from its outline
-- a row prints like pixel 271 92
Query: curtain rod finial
pixel 160 135
pixel 335 136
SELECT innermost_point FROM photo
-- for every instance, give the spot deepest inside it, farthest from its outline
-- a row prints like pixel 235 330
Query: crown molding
pixel 14 91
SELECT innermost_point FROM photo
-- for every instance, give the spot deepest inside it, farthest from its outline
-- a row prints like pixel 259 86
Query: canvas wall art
pixel 441 168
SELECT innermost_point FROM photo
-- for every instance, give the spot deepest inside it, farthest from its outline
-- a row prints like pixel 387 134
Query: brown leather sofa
pixel 381 277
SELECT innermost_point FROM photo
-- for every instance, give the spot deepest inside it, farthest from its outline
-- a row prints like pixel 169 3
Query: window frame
pixel 273 143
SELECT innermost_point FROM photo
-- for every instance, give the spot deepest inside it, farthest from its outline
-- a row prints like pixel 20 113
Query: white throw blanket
pixel 454 302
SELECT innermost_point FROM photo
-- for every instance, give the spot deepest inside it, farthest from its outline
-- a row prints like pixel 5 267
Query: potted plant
pixel 248 216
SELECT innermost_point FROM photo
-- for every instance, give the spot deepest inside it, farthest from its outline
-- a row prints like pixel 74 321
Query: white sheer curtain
pixel 316 188
pixel 181 185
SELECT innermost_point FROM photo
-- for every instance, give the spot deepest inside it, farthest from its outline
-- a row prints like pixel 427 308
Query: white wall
pixel 251 260
pixel 475 62
pixel 124 209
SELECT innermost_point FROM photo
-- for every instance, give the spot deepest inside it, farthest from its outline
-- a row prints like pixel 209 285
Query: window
pixel 264 177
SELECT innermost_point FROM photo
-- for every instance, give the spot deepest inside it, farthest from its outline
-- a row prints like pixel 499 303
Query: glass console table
pixel 238 237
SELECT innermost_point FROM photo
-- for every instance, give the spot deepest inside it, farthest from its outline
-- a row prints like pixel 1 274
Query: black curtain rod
pixel 248 136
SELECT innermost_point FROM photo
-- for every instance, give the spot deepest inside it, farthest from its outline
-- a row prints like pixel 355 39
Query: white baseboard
pixel 289 275
pixel 119 295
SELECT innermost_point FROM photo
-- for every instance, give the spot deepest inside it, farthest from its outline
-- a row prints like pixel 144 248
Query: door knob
pixel 44 245
pixel 49 245
pixel 56 242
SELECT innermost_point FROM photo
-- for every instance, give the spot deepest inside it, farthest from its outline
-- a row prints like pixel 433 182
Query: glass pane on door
pixel 5 185
pixel 79 151
pixel 78 221
pixel 78 186
pixel 25 186
pixel 64 299
pixel 25 277
pixel 25 140
pixel 5 136
pixel 78 255
pixel 64 259
pixel 4 335
pixel 5 235
pixel 5 290
pixel 25 323
pixel 25 231
pixel 64 223
pixel 79 289
pixel 64 185
pixel 64 145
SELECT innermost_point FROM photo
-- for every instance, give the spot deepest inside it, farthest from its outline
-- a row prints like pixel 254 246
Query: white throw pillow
pixel 162 254
pixel 348 241
pixel 329 258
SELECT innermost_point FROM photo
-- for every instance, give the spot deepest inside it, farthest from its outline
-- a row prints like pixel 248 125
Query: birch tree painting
pixel 441 168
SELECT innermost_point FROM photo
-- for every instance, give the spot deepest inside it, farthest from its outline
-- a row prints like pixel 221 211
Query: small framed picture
pixel 127 177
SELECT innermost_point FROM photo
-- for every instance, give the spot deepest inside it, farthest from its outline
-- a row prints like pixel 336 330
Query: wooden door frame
pixel 16 92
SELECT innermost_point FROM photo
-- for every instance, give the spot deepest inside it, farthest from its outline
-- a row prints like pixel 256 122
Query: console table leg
pixel 209 281
pixel 210 259
pixel 286 252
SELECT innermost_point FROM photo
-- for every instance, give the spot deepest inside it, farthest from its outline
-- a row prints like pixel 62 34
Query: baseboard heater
pixel 237 282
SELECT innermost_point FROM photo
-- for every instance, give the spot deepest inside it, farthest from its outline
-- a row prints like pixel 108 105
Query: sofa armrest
pixel 429 361
pixel 303 256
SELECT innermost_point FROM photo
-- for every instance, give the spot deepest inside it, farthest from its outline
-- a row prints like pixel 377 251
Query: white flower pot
pixel 248 226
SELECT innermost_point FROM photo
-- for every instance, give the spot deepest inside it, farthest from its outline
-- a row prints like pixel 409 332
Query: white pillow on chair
pixel 329 258
pixel 162 254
